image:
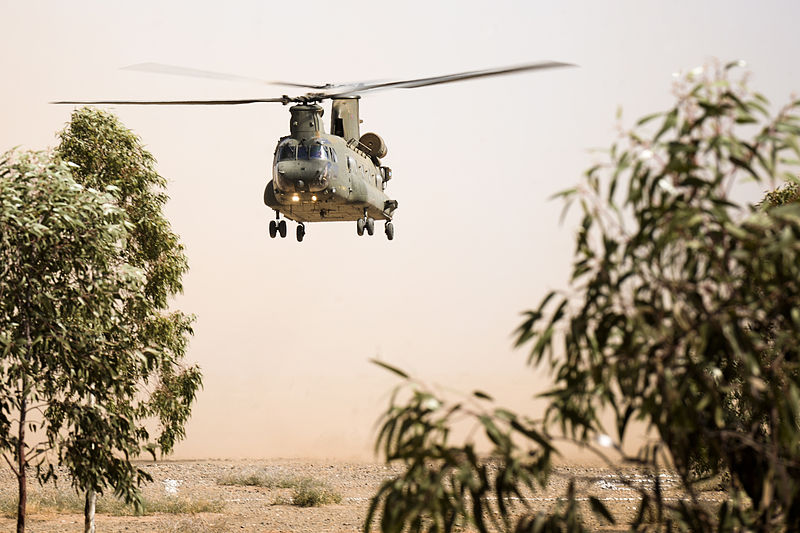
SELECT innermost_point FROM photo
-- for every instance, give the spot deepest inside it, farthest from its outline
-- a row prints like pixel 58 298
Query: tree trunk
pixel 91 495
pixel 21 464
pixel 88 511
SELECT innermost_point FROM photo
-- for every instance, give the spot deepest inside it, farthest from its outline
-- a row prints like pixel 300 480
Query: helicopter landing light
pixel 295 198
pixel 314 198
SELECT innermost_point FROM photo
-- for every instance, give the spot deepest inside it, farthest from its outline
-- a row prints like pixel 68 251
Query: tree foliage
pixel 683 312
pixel 63 289
pixel 91 356
pixel 104 154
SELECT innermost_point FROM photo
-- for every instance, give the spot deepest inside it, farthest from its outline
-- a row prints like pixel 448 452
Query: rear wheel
pixel 360 226
pixel 370 226
pixel 301 232
pixel 282 228
pixel 389 231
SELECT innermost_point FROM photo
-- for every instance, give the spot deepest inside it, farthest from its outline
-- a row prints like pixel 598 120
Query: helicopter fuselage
pixel 325 180
pixel 318 176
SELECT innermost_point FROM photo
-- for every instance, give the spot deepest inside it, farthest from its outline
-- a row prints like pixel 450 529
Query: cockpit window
pixel 317 151
pixel 331 153
pixel 287 152
pixel 290 152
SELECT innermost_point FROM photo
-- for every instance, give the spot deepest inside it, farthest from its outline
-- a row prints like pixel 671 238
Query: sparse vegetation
pixel 161 504
pixel 46 500
pixel 312 493
pixel 51 499
pixel 257 479
pixel 305 491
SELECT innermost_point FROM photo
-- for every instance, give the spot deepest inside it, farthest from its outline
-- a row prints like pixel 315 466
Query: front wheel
pixel 360 227
pixel 370 226
pixel 282 228
pixel 273 228
pixel 301 232
pixel 389 231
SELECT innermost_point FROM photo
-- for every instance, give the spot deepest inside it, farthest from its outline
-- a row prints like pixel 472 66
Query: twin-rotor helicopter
pixel 319 176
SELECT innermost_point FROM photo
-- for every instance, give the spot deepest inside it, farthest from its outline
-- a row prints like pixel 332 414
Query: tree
pixel 683 311
pixel 104 154
pixel 63 290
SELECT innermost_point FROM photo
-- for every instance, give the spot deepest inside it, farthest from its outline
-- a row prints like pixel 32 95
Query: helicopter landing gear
pixel 277 226
pixel 301 232
pixel 389 228
pixel 365 222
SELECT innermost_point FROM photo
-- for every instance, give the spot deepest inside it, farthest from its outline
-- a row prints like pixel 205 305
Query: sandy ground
pixel 254 509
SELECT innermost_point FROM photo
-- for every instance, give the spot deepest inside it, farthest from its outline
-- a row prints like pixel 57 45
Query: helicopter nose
pixel 302 176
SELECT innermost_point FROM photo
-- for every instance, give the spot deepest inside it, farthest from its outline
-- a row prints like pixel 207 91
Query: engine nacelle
pixel 373 145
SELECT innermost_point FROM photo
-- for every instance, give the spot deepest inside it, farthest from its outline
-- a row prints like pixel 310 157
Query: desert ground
pixel 261 509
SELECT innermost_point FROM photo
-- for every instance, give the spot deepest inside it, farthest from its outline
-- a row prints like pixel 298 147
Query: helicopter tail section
pixel 344 118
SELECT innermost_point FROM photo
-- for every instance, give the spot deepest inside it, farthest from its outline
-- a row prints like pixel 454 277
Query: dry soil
pixel 254 509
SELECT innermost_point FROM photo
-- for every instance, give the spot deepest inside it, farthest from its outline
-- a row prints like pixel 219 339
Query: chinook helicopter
pixel 318 176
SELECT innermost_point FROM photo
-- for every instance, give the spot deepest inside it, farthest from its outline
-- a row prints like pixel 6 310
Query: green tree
pixel 63 290
pixel 683 311
pixel 106 155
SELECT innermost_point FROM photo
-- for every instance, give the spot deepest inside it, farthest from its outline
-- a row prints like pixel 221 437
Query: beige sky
pixel 285 330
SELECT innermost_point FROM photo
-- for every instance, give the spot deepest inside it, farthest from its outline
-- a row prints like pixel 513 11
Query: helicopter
pixel 319 176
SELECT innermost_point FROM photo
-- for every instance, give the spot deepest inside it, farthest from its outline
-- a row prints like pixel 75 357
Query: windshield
pixel 317 151
pixel 287 152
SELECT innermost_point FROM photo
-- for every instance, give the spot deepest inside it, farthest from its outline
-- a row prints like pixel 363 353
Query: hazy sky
pixel 285 330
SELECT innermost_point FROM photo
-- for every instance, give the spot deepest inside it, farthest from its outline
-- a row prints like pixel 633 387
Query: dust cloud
pixel 285 330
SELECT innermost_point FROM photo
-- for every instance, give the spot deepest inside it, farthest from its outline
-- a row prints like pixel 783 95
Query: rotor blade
pixel 159 68
pixel 304 85
pixel 460 76
pixel 282 100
